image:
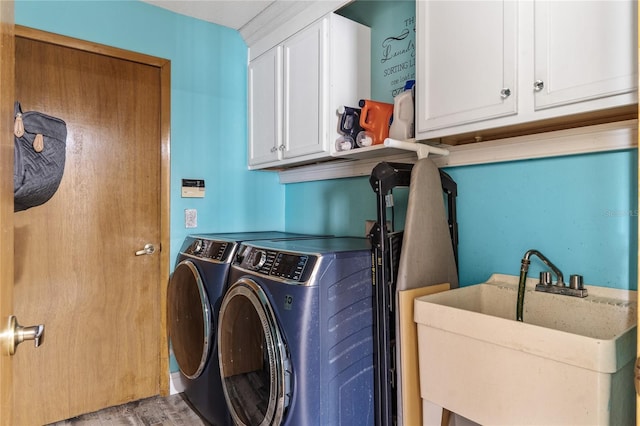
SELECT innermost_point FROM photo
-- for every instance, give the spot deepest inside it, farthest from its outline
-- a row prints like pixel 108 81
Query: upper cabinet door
pixel 584 50
pixel 304 90
pixel 265 106
pixel 466 62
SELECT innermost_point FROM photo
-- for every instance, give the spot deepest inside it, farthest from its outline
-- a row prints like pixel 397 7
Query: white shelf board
pixel 374 151
pixel 589 139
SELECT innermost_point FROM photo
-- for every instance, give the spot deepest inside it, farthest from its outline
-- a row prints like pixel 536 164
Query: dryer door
pixel 254 365
pixel 189 315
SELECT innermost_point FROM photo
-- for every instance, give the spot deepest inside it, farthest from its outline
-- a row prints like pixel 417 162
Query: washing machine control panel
pixel 209 249
pixel 287 266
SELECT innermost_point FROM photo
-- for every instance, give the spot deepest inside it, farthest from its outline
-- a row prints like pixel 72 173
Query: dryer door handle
pixel 147 249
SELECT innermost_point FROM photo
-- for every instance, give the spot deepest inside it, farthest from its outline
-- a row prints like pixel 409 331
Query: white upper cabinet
pixel 583 50
pixel 491 64
pixel 305 82
pixel 296 87
pixel 265 107
pixel 466 68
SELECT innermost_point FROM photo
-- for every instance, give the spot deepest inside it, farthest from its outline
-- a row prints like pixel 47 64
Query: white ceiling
pixel 230 13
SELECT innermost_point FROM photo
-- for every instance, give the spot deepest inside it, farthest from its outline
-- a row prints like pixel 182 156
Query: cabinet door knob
pixel 538 85
pixel 505 93
pixel 274 149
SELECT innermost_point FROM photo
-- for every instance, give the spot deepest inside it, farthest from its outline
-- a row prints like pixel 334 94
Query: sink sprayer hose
pixel 524 268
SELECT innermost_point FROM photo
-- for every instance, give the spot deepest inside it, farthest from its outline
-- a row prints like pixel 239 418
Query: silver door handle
pixel 147 249
pixel 18 334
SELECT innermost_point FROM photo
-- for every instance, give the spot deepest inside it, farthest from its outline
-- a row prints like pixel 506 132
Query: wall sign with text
pixel 396 57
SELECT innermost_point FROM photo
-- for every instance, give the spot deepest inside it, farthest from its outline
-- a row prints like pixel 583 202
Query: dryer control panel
pixel 287 266
pixel 209 250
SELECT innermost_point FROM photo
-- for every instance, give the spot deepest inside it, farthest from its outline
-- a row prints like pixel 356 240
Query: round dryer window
pixel 254 365
pixel 190 326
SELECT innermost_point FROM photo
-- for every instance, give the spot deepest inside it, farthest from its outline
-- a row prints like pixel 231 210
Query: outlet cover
pixel 190 218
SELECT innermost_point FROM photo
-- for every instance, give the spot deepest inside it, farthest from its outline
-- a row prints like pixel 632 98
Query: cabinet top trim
pixel 281 20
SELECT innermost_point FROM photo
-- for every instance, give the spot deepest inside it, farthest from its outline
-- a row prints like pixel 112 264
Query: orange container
pixel 375 118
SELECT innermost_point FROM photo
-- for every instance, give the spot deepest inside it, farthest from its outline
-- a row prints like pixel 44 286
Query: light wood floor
pixel 155 411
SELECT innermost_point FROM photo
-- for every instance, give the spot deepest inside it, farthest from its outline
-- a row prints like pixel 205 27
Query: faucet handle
pixel 545 278
pixel 576 282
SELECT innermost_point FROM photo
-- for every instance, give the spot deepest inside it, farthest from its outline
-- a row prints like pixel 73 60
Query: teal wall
pixel 393 42
pixel 208 105
pixel 580 211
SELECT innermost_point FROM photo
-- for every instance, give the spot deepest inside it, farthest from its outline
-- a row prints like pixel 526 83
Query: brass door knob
pixel 18 334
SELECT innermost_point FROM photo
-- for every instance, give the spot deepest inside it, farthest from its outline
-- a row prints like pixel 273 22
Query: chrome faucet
pixel 546 284
pixel 524 268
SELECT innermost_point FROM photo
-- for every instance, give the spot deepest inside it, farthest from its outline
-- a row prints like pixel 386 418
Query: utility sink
pixel 569 362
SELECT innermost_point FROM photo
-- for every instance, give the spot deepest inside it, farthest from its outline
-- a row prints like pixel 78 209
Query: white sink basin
pixel 569 362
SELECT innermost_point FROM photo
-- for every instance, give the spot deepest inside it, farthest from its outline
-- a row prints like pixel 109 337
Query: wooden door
pixel 6 203
pixel 76 268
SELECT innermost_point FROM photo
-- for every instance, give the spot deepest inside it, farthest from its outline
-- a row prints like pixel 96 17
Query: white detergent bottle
pixel 402 125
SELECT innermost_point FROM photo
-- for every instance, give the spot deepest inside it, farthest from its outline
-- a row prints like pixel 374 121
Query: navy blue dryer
pixel 194 296
pixel 295 333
